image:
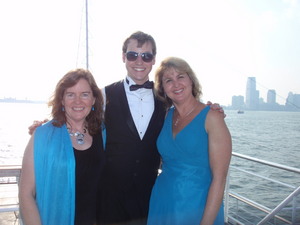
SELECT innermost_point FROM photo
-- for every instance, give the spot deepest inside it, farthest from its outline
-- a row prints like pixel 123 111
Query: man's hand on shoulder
pixel 216 107
pixel 36 124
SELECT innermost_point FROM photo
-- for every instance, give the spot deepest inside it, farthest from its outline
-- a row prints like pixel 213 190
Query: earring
pixel 93 108
pixel 63 109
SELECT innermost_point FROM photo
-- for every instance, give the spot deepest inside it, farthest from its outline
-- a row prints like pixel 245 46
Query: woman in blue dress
pixel 195 146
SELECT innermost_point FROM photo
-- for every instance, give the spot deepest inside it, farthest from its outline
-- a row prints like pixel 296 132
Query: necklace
pixel 186 115
pixel 79 136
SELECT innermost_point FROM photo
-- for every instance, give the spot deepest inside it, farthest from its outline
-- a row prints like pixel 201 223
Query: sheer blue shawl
pixel 54 166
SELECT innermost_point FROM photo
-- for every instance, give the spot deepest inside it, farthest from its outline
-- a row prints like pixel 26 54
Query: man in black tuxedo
pixel 133 120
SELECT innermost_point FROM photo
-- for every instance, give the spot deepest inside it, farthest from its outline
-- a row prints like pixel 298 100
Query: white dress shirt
pixel 141 105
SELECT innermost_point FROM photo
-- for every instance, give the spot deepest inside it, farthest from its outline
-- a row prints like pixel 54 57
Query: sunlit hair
pixel 94 118
pixel 141 38
pixel 180 66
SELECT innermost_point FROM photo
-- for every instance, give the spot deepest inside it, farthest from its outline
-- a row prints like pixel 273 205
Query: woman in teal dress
pixel 195 146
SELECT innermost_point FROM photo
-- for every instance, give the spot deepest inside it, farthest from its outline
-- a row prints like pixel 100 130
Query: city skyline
pixel 250 84
pixel 253 100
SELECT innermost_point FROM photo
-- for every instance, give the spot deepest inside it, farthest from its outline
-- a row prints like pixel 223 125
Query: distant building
pixel 237 102
pixel 271 97
pixel 254 102
pixel 293 102
pixel 252 95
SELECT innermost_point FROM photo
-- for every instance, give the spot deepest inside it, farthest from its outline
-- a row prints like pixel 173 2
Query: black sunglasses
pixel 146 56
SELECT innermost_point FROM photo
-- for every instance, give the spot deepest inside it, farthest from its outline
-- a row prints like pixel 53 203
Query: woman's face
pixel 177 86
pixel 78 101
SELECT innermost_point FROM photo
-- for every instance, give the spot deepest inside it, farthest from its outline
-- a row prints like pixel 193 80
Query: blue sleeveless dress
pixel 180 191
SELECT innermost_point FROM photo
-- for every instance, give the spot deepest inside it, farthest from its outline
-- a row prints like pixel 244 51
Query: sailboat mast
pixel 86 35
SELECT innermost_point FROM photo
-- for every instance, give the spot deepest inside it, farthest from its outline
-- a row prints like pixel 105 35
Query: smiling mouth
pixel 139 69
pixel 78 109
pixel 178 91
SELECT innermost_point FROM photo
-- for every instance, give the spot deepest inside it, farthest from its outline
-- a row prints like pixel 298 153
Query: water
pixel 272 136
pixel 15 118
pixel 268 135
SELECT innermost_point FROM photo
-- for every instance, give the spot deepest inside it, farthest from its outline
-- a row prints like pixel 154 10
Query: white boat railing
pixel 239 207
pixel 245 208
pixel 9 179
pixel 290 198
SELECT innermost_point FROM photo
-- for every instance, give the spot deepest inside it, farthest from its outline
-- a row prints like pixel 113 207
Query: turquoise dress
pixel 180 191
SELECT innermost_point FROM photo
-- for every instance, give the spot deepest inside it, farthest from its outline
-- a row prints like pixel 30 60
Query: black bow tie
pixel 148 84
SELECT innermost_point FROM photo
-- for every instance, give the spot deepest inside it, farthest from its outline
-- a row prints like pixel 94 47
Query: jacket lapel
pixel 127 115
pixel 155 118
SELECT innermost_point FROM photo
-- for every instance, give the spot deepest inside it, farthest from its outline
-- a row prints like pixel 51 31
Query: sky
pixel 224 41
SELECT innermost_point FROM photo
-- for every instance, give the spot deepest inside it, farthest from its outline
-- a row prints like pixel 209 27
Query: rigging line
pixel 86 34
pixel 284 98
pixel 292 104
pixel 79 38
pixel 266 88
pixel 232 67
pixel 287 101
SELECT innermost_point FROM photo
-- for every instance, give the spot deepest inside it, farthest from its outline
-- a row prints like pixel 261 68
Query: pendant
pixel 79 138
pixel 176 122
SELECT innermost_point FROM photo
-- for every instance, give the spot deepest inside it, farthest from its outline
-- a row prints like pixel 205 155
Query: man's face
pixel 138 70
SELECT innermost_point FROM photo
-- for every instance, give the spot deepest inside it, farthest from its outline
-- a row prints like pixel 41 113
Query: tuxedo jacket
pixel 131 163
pixel 130 159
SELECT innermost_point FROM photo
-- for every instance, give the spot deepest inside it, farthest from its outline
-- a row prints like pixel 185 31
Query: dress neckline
pixel 173 110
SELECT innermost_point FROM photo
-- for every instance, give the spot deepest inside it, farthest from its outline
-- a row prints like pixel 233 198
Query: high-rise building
pixel 237 102
pixel 271 97
pixel 293 102
pixel 252 95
